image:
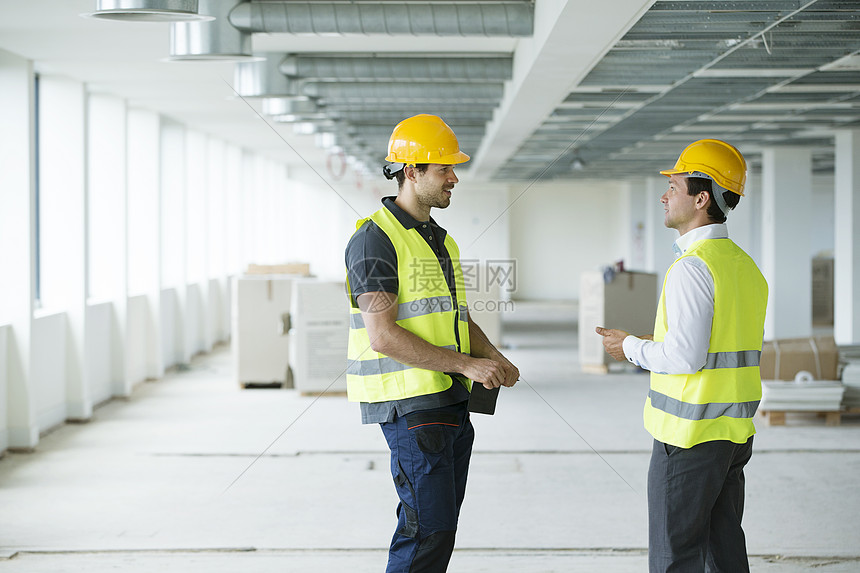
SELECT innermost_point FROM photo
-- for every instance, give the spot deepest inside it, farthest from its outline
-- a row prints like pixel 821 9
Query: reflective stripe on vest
pixel 740 359
pixel 381 365
pixel 709 411
pixel 412 309
pixel 719 401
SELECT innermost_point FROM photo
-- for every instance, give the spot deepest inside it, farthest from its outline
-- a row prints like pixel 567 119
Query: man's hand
pixel 491 372
pixel 512 373
pixel 481 347
pixel 613 339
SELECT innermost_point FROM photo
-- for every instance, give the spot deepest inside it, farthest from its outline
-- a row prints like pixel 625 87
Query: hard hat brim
pixel 676 171
pixel 452 159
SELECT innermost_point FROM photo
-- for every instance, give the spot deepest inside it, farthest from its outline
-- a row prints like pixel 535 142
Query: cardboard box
pixel 783 359
pixel 628 302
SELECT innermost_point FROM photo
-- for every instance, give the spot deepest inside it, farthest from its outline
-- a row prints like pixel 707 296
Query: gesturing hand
pixel 613 340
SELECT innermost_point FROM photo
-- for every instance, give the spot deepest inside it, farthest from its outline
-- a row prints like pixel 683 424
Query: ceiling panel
pixel 748 72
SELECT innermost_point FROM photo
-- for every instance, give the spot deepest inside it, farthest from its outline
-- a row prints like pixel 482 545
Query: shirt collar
pixel 405 219
pixel 715 231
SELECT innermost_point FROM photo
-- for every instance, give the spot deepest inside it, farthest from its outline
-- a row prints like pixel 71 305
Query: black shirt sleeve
pixel 371 262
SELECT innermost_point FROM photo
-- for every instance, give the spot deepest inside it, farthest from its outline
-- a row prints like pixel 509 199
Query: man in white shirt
pixel 705 380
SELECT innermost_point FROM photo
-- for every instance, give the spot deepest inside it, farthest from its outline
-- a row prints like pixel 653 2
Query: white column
pixel 108 224
pixel 17 234
pixel 173 251
pixel 846 306
pixel 195 318
pixel 144 228
pixel 63 225
pixel 786 241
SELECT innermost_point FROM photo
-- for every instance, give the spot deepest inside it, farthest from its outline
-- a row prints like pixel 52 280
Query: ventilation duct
pixel 262 79
pixel 344 68
pixel 148 11
pixel 216 40
pixel 298 105
pixel 489 94
pixel 394 115
pixel 468 18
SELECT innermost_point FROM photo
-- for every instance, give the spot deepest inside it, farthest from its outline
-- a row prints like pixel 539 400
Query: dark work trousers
pixel 695 506
pixel 430 451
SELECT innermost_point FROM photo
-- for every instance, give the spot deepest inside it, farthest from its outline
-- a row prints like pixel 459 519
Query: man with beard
pixel 413 349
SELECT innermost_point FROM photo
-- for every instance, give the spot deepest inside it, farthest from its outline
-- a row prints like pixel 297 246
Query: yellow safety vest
pixel 426 308
pixel 719 401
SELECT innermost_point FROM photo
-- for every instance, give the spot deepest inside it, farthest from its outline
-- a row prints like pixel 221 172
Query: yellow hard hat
pixel 716 159
pixel 424 139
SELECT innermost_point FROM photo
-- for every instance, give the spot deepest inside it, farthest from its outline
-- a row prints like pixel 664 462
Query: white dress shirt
pixel 689 305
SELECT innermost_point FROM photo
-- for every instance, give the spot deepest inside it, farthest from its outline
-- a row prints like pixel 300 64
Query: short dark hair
pixel 401 175
pixel 696 185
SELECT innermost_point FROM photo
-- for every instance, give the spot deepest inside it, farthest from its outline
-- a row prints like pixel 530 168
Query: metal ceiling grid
pixel 747 71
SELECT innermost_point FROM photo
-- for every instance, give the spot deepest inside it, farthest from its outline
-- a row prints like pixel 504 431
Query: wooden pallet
pixel 831 418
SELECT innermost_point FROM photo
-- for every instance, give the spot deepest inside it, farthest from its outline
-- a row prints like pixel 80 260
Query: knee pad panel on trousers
pixel 434 552
pixel 410 524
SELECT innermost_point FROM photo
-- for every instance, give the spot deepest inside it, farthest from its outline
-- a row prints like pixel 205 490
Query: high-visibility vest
pixel 719 401
pixel 426 307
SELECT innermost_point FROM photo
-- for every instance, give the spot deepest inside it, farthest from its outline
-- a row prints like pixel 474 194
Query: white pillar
pixel 173 239
pixel 846 306
pixel 107 193
pixel 17 234
pixel 63 222
pixel 144 228
pixel 786 241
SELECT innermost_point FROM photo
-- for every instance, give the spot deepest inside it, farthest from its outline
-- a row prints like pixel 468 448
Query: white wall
pixel 64 261
pixel 97 351
pixel 17 231
pixel 139 338
pixel 48 376
pixel 558 230
pixel 171 329
pixel 143 222
pixel 4 388
pixel 745 222
pixel 144 244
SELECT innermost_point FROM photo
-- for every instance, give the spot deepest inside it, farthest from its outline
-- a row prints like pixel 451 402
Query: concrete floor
pixel 193 474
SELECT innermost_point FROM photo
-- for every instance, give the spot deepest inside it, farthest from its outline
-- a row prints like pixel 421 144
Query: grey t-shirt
pixel 371 266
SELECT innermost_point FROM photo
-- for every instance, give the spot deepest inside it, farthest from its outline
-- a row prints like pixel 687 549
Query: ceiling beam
pixel 570 37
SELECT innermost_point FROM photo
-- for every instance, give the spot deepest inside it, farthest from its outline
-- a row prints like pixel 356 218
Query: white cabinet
pixel 260 344
pixel 319 336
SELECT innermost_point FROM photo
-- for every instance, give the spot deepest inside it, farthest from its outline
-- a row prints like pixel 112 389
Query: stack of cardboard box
pixel 783 359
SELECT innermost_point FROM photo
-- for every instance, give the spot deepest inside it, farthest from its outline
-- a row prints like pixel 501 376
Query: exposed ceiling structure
pixel 551 89
pixel 756 73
